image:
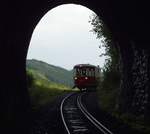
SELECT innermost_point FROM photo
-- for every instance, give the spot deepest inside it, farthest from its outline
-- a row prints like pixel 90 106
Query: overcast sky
pixel 63 38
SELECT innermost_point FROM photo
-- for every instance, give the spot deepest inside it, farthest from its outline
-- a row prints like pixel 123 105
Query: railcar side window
pixel 93 73
pixel 89 70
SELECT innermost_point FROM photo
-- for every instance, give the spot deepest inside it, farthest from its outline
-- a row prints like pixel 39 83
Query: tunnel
pixel 128 21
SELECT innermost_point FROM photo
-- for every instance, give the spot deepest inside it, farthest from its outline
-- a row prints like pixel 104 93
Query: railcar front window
pixel 87 72
pixel 81 72
pixel 84 72
pixel 78 73
pixel 91 72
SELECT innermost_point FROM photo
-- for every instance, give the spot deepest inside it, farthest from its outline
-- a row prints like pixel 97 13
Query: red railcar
pixel 86 76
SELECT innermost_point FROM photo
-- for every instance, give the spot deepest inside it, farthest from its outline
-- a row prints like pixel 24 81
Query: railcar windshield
pixel 85 72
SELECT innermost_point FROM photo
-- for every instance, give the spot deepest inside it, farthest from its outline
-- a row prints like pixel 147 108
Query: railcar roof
pixel 84 65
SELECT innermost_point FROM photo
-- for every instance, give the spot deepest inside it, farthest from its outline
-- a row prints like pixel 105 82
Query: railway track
pixel 76 118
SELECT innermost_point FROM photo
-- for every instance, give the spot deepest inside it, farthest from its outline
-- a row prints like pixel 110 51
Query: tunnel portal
pixel 128 22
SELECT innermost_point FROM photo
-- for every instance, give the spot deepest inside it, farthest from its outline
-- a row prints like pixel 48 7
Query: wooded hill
pixel 50 72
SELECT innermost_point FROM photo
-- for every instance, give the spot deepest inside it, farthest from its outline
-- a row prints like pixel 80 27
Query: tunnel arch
pixel 125 19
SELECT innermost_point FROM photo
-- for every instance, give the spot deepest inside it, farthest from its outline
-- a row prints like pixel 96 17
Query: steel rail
pixel 61 111
pixel 93 120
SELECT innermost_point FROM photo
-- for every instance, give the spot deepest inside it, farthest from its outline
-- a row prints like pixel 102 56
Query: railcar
pixel 86 76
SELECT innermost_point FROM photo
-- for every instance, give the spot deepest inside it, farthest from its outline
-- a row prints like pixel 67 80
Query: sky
pixel 63 38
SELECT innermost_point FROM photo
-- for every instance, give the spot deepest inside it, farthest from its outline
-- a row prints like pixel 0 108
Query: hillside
pixel 49 72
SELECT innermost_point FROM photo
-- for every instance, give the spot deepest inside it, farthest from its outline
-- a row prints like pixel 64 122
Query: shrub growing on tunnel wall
pixel 109 86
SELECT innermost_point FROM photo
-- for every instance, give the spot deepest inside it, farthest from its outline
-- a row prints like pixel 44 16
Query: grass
pixel 135 122
pixel 41 95
pixel 42 91
pixel 108 101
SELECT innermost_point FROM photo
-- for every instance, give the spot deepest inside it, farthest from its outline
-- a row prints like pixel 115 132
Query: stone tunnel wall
pixel 134 67
pixel 140 80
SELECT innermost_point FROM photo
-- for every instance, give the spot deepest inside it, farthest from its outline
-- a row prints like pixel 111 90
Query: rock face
pixel 134 97
pixel 140 80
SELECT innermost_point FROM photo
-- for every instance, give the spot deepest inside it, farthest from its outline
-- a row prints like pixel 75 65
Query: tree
pixel 109 85
pixel 102 32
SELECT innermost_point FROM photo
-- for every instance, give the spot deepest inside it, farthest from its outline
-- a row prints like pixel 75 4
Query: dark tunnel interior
pixel 128 22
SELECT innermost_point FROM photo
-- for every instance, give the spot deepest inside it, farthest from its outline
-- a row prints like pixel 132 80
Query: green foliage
pixel 109 85
pixel 41 90
pixel 50 72
pixel 135 122
pixel 99 28
pixel 42 94
pixel 103 33
pixel 30 79
pixel 111 52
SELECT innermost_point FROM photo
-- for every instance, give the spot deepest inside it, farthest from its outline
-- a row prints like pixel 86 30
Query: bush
pixel 42 91
pixel 30 79
pixel 108 90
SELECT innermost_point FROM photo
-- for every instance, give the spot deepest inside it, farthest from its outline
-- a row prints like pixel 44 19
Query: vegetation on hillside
pixel 50 72
pixel 41 90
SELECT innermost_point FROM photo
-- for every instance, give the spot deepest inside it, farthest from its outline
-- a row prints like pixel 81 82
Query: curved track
pixel 76 118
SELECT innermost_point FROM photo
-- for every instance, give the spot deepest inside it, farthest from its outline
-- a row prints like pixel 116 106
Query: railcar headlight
pixel 86 78
pixel 75 78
